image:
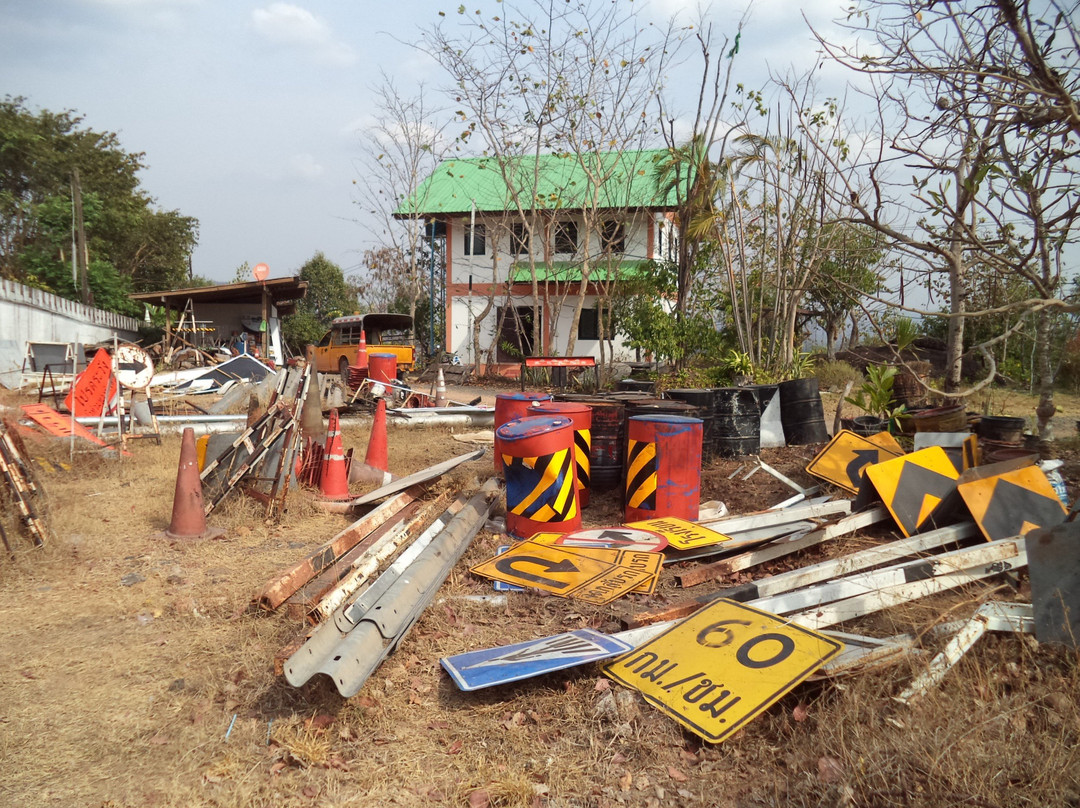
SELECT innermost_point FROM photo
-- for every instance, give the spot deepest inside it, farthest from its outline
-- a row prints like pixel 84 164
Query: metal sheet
pixel 1054 559
pixel 422 476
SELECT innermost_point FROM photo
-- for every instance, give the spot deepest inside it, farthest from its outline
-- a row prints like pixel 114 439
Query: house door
pixel 515 335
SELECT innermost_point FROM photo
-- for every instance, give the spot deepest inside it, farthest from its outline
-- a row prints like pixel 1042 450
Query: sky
pixel 253 115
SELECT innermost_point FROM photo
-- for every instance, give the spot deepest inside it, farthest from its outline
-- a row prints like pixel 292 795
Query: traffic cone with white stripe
pixel 334 484
pixel 375 468
pixel 440 389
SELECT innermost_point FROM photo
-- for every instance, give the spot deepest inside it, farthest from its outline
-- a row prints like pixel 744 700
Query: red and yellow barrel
pixel 663 467
pixel 580 416
pixel 509 406
pixel 541 483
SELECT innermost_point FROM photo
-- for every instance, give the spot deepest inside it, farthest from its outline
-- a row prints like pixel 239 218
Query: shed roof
pixel 283 293
pixel 614 180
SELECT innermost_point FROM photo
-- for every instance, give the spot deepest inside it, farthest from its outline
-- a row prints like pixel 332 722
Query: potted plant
pixel 875 398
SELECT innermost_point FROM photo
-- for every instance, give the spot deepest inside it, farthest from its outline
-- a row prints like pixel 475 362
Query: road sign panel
pixel 682 534
pixel 542 566
pixel 616 538
pixel 843 461
pixel 523 660
pixel 722 666
pixel 912 486
pixel 613 584
pixel 639 560
pixel 132 367
pixel 1013 503
pixel 886 441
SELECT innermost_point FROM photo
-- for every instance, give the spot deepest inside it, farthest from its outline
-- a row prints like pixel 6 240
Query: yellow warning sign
pixel 722 666
pixel 843 461
pixel 542 566
pixel 681 534
pixel 912 486
pixel 1013 503
pixel 591 574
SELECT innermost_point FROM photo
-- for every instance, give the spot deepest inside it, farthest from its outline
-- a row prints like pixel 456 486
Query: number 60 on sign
pixel 722 666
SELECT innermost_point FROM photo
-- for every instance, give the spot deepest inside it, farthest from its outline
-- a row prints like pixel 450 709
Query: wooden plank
pixel 303 601
pixel 279 588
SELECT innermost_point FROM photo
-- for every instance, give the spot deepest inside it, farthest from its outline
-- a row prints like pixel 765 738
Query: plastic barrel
pixel 738 421
pixel 705 401
pixel 580 416
pixel 663 467
pixel 608 444
pixel 509 406
pixel 541 484
pixel 382 368
pixel 801 412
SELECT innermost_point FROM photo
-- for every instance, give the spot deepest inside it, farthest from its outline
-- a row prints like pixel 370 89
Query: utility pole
pixel 82 256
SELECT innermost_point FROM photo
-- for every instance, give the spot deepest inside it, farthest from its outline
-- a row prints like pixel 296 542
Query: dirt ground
pixel 134 674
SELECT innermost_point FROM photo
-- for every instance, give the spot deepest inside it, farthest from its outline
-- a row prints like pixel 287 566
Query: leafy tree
pixel 133 246
pixel 328 296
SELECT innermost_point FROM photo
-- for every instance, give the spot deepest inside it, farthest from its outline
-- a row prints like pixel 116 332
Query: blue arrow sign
pixel 523 660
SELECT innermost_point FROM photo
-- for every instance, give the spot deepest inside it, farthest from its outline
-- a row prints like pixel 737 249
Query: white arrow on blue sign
pixel 523 660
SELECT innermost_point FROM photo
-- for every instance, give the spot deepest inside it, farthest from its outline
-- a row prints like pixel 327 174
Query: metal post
pixel 431 294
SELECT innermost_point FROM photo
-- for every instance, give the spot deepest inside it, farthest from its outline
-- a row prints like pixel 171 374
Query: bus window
pixel 325 341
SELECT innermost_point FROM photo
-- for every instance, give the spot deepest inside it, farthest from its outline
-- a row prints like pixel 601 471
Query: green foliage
pixel 802 365
pixel 737 363
pixel 834 374
pixel 875 396
pixel 641 307
pixel 328 296
pixel 133 245
pixel 905 332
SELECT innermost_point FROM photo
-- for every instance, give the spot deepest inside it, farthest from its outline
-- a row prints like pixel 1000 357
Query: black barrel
pixel 738 421
pixel 705 401
pixel 1001 428
pixel 802 413
pixel 608 442
pixel 765 393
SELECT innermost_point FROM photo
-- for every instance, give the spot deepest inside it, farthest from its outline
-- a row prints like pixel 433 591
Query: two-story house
pixel 546 237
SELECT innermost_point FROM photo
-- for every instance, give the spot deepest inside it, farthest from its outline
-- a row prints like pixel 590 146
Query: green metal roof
pixel 570 271
pixel 548 182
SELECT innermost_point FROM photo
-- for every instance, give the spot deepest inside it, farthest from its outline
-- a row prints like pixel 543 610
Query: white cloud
pixel 292 26
pixel 304 166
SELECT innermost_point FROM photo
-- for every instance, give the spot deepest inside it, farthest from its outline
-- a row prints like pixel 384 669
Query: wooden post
pixel 82 257
pixel 266 324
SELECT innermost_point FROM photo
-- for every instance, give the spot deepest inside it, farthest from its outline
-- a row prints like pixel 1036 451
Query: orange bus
pixel 384 332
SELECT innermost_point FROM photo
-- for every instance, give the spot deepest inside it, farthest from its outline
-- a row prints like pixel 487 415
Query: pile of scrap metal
pixel 22 498
pixel 360 618
pixel 715 662
pixel 261 460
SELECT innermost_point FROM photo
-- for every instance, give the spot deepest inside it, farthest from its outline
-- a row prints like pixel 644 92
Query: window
pixel 613 237
pixel 475 239
pixel 566 237
pixel 519 239
pixel 589 325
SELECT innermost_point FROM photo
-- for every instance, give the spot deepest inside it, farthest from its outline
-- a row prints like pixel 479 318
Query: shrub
pixel 835 374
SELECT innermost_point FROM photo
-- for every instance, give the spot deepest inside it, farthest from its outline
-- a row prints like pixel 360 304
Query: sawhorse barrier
pixel 561 363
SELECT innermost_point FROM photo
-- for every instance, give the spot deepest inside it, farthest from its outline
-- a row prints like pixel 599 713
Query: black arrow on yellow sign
pixel 1014 510
pixel 916 483
pixel 506 566
pixel 862 459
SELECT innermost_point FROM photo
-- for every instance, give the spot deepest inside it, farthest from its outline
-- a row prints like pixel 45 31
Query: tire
pixel 343 369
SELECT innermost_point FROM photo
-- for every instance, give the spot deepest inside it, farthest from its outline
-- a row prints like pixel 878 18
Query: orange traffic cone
pixel 375 468
pixel 334 484
pixel 361 352
pixel 188 513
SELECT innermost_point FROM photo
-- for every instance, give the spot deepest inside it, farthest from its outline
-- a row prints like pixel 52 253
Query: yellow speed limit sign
pixel 723 666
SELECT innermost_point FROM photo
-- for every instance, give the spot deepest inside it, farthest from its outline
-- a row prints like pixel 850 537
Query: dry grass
pixel 127 659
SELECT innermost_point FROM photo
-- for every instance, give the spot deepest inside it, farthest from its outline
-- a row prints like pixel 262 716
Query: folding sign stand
pixel 134 370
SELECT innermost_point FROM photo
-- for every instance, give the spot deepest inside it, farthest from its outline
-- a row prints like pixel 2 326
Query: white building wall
pixel 32 315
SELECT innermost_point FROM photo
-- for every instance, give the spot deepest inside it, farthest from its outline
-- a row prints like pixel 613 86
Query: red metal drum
pixel 541 486
pixel 663 467
pixel 580 416
pixel 509 406
pixel 382 368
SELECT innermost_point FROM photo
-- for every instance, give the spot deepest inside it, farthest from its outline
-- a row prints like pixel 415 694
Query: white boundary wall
pixel 31 315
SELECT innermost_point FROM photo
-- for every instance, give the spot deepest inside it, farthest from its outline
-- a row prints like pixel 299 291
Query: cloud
pixel 295 27
pixel 304 166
